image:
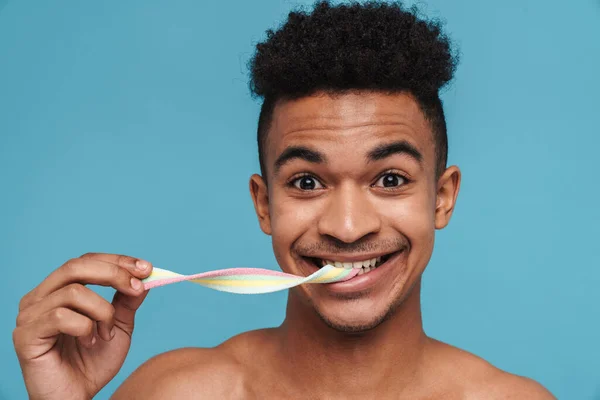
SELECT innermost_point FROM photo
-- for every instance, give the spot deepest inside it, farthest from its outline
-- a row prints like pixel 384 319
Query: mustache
pixel 334 246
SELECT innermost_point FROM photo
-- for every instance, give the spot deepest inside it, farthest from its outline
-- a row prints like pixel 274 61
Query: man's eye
pixel 307 183
pixel 390 180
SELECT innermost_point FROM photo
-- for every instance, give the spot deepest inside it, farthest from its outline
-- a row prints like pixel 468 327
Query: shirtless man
pixel 352 147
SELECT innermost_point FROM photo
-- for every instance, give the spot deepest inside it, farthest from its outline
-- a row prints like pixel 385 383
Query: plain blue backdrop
pixel 127 127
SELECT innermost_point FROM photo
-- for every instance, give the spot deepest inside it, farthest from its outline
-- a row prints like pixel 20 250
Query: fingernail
pixel 136 283
pixel 142 265
pixel 112 332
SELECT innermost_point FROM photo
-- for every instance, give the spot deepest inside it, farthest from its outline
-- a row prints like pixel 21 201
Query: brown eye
pixel 390 180
pixel 307 183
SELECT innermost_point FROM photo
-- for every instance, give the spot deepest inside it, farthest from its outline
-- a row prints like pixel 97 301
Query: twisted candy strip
pixel 248 280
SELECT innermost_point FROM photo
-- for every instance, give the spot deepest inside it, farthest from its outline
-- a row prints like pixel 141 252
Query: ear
pixel 260 197
pixel 447 192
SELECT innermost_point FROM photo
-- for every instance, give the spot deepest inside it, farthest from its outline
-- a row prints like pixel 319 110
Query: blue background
pixel 127 127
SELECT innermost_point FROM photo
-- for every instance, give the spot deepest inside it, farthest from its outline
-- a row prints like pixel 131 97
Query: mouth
pixel 363 266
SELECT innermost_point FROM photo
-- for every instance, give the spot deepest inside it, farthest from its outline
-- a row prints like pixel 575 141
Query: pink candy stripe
pixel 213 274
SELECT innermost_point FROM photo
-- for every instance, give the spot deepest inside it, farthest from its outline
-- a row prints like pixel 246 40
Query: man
pixel 352 147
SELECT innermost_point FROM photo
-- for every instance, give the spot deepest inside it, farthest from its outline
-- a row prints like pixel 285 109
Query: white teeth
pixel 362 265
pixel 361 271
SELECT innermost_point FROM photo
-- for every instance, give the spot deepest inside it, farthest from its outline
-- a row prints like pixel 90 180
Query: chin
pixel 354 316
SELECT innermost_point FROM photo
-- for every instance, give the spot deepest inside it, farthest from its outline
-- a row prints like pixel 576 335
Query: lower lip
pixel 364 281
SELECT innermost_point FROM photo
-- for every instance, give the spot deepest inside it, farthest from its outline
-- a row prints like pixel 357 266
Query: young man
pixel 352 146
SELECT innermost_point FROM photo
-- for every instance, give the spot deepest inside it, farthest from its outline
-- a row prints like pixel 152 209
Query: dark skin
pixel 349 178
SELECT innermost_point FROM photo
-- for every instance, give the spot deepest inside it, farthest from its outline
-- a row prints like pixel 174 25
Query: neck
pixel 386 358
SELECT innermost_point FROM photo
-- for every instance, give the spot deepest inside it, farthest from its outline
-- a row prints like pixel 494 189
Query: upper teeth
pixel 373 262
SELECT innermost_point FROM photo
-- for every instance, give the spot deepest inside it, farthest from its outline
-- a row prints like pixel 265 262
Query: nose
pixel 350 215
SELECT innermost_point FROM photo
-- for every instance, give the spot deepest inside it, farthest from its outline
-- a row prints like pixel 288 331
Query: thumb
pixel 125 309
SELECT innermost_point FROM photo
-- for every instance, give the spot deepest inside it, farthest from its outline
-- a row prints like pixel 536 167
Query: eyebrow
pixel 299 152
pixel 387 150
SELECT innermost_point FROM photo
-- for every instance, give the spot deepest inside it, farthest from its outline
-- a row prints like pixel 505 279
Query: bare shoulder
pixel 503 385
pixel 481 380
pixel 188 373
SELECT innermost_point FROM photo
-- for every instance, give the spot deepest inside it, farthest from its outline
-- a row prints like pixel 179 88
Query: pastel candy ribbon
pixel 248 280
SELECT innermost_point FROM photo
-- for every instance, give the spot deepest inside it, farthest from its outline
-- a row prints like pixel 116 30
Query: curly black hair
pixel 373 46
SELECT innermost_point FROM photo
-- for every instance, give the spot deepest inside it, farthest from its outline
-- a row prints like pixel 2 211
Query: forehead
pixel 351 121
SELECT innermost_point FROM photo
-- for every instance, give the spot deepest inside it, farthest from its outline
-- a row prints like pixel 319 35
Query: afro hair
pixel 372 46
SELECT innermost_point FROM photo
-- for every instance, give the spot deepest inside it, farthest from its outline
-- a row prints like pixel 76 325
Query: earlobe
pixel 447 192
pixel 260 196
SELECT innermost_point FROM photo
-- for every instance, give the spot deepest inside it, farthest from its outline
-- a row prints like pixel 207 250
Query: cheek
pixel 290 219
pixel 413 217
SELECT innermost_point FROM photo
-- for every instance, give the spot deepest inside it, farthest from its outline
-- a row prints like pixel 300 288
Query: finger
pixel 85 271
pixel 125 308
pixel 90 339
pixel 76 297
pixel 54 322
pixel 138 267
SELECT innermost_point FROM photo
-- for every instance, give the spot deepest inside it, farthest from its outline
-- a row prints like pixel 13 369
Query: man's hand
pixel 69 340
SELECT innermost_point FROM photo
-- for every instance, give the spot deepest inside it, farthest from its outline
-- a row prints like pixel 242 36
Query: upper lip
pixel 352 257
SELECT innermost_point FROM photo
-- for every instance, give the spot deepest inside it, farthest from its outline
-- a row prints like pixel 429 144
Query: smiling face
pixel 352 181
